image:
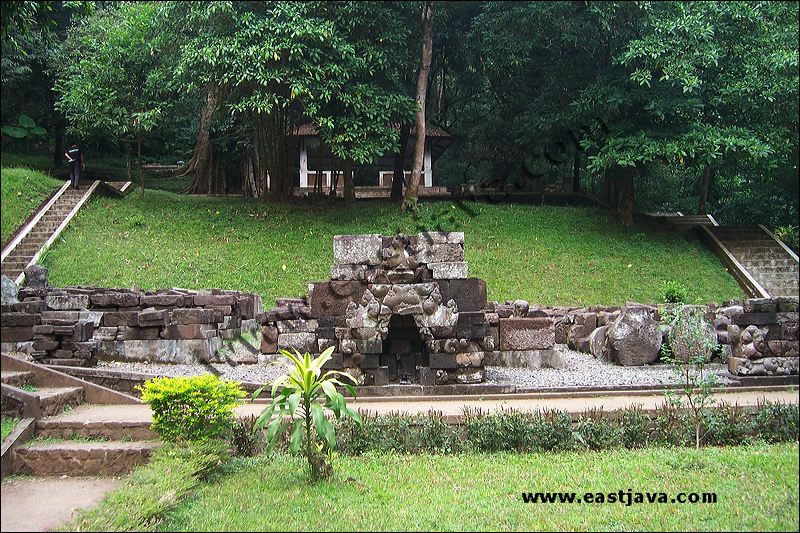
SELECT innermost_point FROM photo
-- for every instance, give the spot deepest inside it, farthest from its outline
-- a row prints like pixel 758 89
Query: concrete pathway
pixel 454 406
pixel 42 504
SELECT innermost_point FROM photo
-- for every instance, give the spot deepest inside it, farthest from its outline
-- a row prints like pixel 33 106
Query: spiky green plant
pixel 300 400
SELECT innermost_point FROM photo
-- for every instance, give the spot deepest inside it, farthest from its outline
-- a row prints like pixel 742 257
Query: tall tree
pixel 426 37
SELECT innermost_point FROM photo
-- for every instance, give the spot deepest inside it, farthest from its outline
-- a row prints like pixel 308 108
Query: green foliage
pixel 8 426
pixel 514 431
pixel 246 438
pixel 727 425
pixel 635 428
pixel 308 393
pixel 777 422
pixel 26 129
pixel 675 292
pixel 152 491
pixel 192 408
pixel 597 432
pixel 789 235
pixel 428 433
pixel 692 341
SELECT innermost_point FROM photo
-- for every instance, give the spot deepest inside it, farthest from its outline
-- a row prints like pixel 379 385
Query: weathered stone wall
pixel 79 325
pixel 376 278
pixel 764 338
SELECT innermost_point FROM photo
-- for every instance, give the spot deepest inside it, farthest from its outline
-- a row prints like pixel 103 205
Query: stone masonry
pixel 76 326
pixel 402 309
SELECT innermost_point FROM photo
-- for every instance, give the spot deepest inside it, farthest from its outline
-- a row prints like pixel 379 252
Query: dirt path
pixel 41 504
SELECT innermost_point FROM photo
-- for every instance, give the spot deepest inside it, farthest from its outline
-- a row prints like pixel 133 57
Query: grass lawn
pixel 756 489
pixel 547 255
pixel 23 190
pixel 8 425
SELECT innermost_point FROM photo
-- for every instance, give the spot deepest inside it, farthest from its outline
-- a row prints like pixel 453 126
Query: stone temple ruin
pixel 402 309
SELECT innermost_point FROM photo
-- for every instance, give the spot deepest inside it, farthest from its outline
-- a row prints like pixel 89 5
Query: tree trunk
pixel 626 190
pixel 127 158
pixel 399 174
pixel 200 163
pixel 576 172
pixel 318 174
pixel 139 164
pixel 412 190
pixel 704 188
pixel 349 186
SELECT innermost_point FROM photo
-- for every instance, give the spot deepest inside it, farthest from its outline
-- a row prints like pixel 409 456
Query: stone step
pixel 54 400
pixel 780 262
pixel 70 458
pixel 16 379
pixel 54 427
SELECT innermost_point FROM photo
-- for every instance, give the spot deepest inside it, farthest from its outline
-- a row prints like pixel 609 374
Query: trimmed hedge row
pixel 555 431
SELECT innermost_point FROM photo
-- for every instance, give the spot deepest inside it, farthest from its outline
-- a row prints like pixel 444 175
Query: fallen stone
pixel 634 338
pixel 35 277
pixel 302 342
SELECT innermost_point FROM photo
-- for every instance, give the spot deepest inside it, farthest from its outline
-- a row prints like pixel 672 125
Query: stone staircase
pixel 64 443
pixel 42 229
pixel 772 265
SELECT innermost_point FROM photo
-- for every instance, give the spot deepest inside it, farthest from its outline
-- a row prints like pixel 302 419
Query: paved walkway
pixel 454 406
pixel 24 500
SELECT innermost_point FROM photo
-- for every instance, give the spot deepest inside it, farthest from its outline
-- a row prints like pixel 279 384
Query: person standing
pixel 76 162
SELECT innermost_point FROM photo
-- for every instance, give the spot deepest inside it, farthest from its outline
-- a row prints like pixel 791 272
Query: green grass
pixel 756 488
pixel 8 426
pixel 23 190
pixel 547 255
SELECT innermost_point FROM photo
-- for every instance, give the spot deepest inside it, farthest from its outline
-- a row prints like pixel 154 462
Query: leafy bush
pixel 247 440
pixel 428 433
pixel 675 292
pixel 552 431
pixel 635 428
pixel 727 425
pixel 306 391
pixel 595 432
pixel 502 431
pixel 789 236
pixel 777 422
pixel 192 408
pixel 672 426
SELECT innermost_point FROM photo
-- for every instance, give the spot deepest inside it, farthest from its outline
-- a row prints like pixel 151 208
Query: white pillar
pixel 427 167
pixel 303 164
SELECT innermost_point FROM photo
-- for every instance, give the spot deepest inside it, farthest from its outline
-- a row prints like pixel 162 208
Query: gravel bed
pixel 584 370
pixel 259 373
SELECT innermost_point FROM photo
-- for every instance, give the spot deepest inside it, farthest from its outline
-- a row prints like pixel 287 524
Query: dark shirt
pixel 75 153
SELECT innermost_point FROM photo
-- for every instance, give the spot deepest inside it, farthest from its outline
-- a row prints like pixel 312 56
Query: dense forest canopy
pixel 689 106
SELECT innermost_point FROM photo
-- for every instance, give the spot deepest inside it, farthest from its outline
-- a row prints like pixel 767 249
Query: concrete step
pixel 54 400
pixel 70 458
pixel 131 430
pixel 16 379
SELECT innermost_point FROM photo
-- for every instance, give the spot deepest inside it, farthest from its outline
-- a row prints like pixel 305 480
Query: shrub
pixel 552 432
pixel 306 391
pixel 672 426
pixel 428 433
pixel 777 422
pixel 635 428
pixel 789 235
pixel 727 425
pixel 192 408
pixel 502 431
pixel 675 292
pixel 247 440
pixel 594 432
